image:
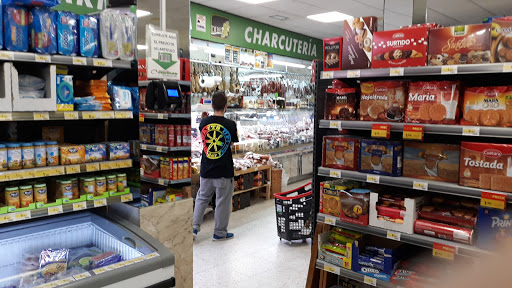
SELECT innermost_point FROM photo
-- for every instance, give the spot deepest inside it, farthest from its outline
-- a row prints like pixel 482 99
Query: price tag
pixel 449 70
pixel 102 62
pixel 58 171
pixel 419 185
pixel 138 259
pixel 65 281
pixel 55 210
pixel 28 174
pixel 5 117
pixel 161 181
pixel 106 166
pixel 159 149
pixel 141 117
pixel 39 116
pixel 92 167
pixel 4 55
pixel 444 251
pixel 143 146
pixel 89 115
pixel 353 73
pixel 160 116
pixel 413 132
pixel 471 131
pixel 73 169
pixel 332 269
pixel 125 164
pixel 6 218
pixel 335 173
pixel 331 220
pixel 43 58
pixel 124 115
pixel 396 72
pixel 494 200
pixel 100 202
pixel 22 215
pixel 127 197
pixel 381 130
pixel 107 115
pixel 327 74
pixel 393 235
pixel 151 256
pixel 370 281
pixel 70 115
pixel 507 67
pixel 100 270
pixel 373 178
pixel 79 61
pixel 82 276
pixel 335 124
pixel 79 206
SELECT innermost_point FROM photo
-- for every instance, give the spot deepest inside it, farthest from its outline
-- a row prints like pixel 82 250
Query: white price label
pixel 160 116
pixel 471 131
pixel 100 270
pixel 396 72
pixel 124 115
pixel 353 73
pixel 5 117
pixel 159 149
pixel 335 124
pixel 373 179
pixel 393 235
pixel 507 67
pixel 71 115
pixel 143 146
pixel 331 220
pixel 43 58
pixel 107 115
pixel 420 185
pixel 335 173
pixel 22 215
pixel 6 218
pixel 161 181
pixel 79 206
pixel 79 61
pixel 5 55
pixel 55 210
pixel 370 281
pixel 151 256
pixel 82 276
pixel 41 116
pixel 73 169
pixel 332 269
pixel 100 202
pixel 449 70
pixel 327 74
pixel 127 197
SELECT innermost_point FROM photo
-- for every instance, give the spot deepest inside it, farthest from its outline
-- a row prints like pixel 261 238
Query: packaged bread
pixel 433 102
pixel 383 101
pixel 487 106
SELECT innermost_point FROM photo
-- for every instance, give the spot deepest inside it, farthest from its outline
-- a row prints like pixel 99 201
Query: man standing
pixel 218 134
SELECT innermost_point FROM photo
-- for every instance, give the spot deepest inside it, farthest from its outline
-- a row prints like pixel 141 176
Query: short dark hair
pixel 219 101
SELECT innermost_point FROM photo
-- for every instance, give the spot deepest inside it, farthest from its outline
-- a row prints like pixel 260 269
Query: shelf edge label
pixel 327 74
pixel 332 269
pixel 413 132
pixel 55 210
pixel 372 178
pixel 353 73
pixel 370 281
pixel 448 69
pixel 471 131
pixel 331 220
pixel 381 130
pixel 495 200
pixel 420 185
pixel 444 251
pixel 393 235
pixel 393 72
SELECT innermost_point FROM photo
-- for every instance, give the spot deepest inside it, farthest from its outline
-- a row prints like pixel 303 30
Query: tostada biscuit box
pixel 431 161
pixel 433 102
pixel 400 48
pixel 380 157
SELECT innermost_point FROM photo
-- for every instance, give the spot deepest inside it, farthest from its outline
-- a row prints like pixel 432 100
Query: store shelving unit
pixel 180 82
pixel 65 60
pixel 71 115
pixel 164 182
pixel 322 265
pixel 163 149
pixel 163 116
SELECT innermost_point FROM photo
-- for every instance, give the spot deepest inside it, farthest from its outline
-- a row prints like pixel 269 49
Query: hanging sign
pixel 162 56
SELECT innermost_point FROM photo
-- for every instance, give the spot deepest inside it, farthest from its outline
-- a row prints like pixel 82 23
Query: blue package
pixel 1 30
pixel 16 28
pixel 494 228
pixel 380 157
pixel 135 100
pixel 43 30
pixel 122 98
pixel 47 3
pixel 89 41
pixel 67 33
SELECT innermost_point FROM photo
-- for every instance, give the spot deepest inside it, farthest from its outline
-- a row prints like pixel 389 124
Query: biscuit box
pixel 431 161
pixel 355 204
pixel 330 195
pixel 341 104
pixel 400 48
pixel 65 95
pixel 72 154
pixel 486 166
pixel 469 44
pixel 383 101
pixel 501 43
pixel 380 157
pixel 332 53
pixel 487 106
pixel 357 42
pixel 340 152
pixel 494 228
pixel 433 102
pixel 118 150
pixel 95 152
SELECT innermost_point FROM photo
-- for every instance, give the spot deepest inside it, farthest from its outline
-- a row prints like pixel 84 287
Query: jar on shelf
pixel 12 197
pixel 121 182
pixel 101 185
pixel 52 153
pixel 40 153
pixel 27 155
pixel 75 188
pixel 3 158
pixel 112 183
pixel 41 193
pixel 66 189
pixel 26 195
pixel 14 156
pixel 89 186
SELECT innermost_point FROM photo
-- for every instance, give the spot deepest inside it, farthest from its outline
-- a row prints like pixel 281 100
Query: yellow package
pixel 72 154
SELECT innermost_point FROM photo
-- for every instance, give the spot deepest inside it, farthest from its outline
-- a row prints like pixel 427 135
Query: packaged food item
pixel 95 152
pixel 15 27
pixel 3 158
pixel 357 42
pixel 52 153
pixel 101 186
pixel 161 135
pixel 340 152
pixel 355 206
pixel 494 228
pixel 430 25
pixel 184 136
pixel 122 97
pixel 178 140
pixel 147 133
pixel 43 30
pixel 75 188
pixel 449 215
pixel 118 150
pixel 89 185
pixel 383 101
pixel 89 40
pixel 186 170
pixel 109 34
pixel 67 32
pixel 487 106
pixel 105 259
pixel 53 262
pixel 27 155
pixel 165 168
pixel 65 95
pixel 341 104
pixel 175 169
pixel 150 164
pixel 54 133
pixel 400 48
pixel 26 195
pixel 332 53
pixel 127 36
pixel 2 22
pixel 72 154
pixel 330 193
pixel 14 158
pixel 180 168
pixel 380 157
pixel 12 197
pixel 40 154
pixel 501 43
pixel 431 161
pixel 41 193
pixel 170 136
pixel 469 44
pixel 444 231
pixel 433 102
pixel 66 189
pixel 121 182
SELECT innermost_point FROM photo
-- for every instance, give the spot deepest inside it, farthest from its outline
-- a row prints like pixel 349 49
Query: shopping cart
pixel 294 213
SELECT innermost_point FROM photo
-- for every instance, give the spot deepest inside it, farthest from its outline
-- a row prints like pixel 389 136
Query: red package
pixel 332 53
pixel 433 102
pixel 161 137
pixel 443 231
pixel 452 216
pixel 341 104
pixel 178 138
pixel 394 213
pixel 487 106
pixel 184 138
pixel 383 101
pixel 390 200
pixel 428 25
pixel 400 48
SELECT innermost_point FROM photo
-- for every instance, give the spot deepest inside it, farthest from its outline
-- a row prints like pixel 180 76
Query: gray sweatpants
pixel 223 187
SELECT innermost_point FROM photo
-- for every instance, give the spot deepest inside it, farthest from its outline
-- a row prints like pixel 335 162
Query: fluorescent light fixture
pixel 142 13
pixel 279 17
pixel 255 1
pixel 290 64
pixel 142 47
pixel 330 17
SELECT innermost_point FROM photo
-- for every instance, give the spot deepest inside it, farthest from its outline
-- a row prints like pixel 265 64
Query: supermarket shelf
pixel 406 182
pixel 41 172
pixel 419 71
pixel 163 149
pixel 71 115
pixel 164 182
pixel 165 116
pixel 180 82
pixel 247 190
pixel 414 239
pixel 497 132
pixel 62 59
pixel 300 148
pixel 349 273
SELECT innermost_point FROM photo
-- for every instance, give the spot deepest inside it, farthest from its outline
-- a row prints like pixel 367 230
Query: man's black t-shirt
pixel 218 133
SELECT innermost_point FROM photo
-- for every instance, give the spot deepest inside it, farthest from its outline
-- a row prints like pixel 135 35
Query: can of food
pixel 184 141
pixel 171 141
pixel 121 182
pixel 14 156
pixel 26 195
pixel 112 183
pixel 89 186
pixel 3 158
pixel 40 153
pixel 52 153
pixel 75 188
pixel 66 189
pixel 12 196
pixel 41 193
pixel 177 131
pixel 27 155
pixel 101 186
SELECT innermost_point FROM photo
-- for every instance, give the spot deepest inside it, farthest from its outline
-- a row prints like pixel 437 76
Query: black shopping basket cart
pixel 294 213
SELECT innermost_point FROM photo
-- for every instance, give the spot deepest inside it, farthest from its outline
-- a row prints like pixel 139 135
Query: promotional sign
pixel 162 56
pixel 229 29
pixel 82 6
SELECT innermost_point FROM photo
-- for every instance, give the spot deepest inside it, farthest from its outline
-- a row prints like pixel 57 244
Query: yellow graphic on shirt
pixel 216 140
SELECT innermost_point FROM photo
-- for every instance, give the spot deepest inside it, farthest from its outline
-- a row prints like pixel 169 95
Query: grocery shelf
pixel 406 182
pixel 71 115
pixel 351 274
pixel 163 149
pixel 419 71
pixel 180 82
pixel 164 116
pixel 414 239
pixel 62 59
pixel 164 182
pixel 24 174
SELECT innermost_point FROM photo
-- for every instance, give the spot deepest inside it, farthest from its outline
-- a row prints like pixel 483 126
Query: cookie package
pixel 469 44
pixel 494 228
pixel 332 53
pixel 340 152
pixel 431 161
pixel 501 43
pixel 380 157
pixel 486 166
pixel 400 48
pixel 341 104
pixel 383 101
pixel 330 195
pixel 433 102
pixel 487 106
pixel 357 42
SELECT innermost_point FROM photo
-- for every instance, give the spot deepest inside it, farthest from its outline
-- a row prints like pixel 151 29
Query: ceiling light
pixel 330 17
pixel 290 64
pixel 255 1
pixel 279 17
pixel 142 13
pixel 142 47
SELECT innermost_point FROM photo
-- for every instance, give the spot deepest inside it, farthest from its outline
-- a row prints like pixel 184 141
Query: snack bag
pixel 433 102
pixel 122 98
pixel 383 101
pixel 43 30
pixel 89 41
pixel 109 33
pixel 15 28
pixel 53 262
pixel 487 106
pixel 128 37
pixel 67 32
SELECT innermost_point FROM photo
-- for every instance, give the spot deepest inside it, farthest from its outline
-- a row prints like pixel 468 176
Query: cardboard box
pixel 333 48
pixel 336 259
pixel 357 42
pixel 431 161
pixel 150 166
pixel 330 195
pixel 501 44
pixel 65 95
pixel 95 152
pixel 340 152
pixel 150 199
pixel 469 44
pixel 72 154
pixel 494 228
pixel 383 101
pixel 49 103
pixel 380 157
pixel 411 205
pixel 433 102
pixel 118 150
pixel 341 104
pixel 400 48
pixel 478 111
pixel 5 88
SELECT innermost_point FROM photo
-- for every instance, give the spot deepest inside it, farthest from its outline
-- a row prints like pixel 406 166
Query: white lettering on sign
pixel 263 38
pixel 275 37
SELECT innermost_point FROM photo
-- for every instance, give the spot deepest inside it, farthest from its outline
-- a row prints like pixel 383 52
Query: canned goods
pixel 41 193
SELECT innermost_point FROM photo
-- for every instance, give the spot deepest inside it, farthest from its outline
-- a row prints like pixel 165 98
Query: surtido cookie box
pixel 400 48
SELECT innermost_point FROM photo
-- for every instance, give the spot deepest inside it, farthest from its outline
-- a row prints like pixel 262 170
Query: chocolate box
pixel 494 228
pixel 431 161
pixel 340 152
pixel 486 166
pixel 380 157
pixel 501 44
pixel 341 104
pixel 400 48
pixel 332 53
pixel 357 42
pixel 469 44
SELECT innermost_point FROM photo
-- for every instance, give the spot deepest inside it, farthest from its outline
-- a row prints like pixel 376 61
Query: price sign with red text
pixel 413 132
pixel 444 251
pixel 381 130
pixel 494 200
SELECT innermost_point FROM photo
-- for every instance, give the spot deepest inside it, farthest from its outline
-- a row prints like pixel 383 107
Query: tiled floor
pixel 255 257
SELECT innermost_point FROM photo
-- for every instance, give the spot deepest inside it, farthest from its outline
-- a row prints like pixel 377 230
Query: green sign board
pixel 221 27
pixel 82 6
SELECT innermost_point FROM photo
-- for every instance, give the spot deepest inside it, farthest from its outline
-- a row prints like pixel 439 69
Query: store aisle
pixel 256 257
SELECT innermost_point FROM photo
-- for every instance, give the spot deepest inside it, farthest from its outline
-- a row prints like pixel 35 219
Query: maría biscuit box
pixel 383 101
pixel 340 152
pixel 400 48
pixel 486 166
pixel 487 106
pixel 333 48
pixel 357 42
pixel 380 157
pixel 501 45
pixel 433 102
pixel 431 161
